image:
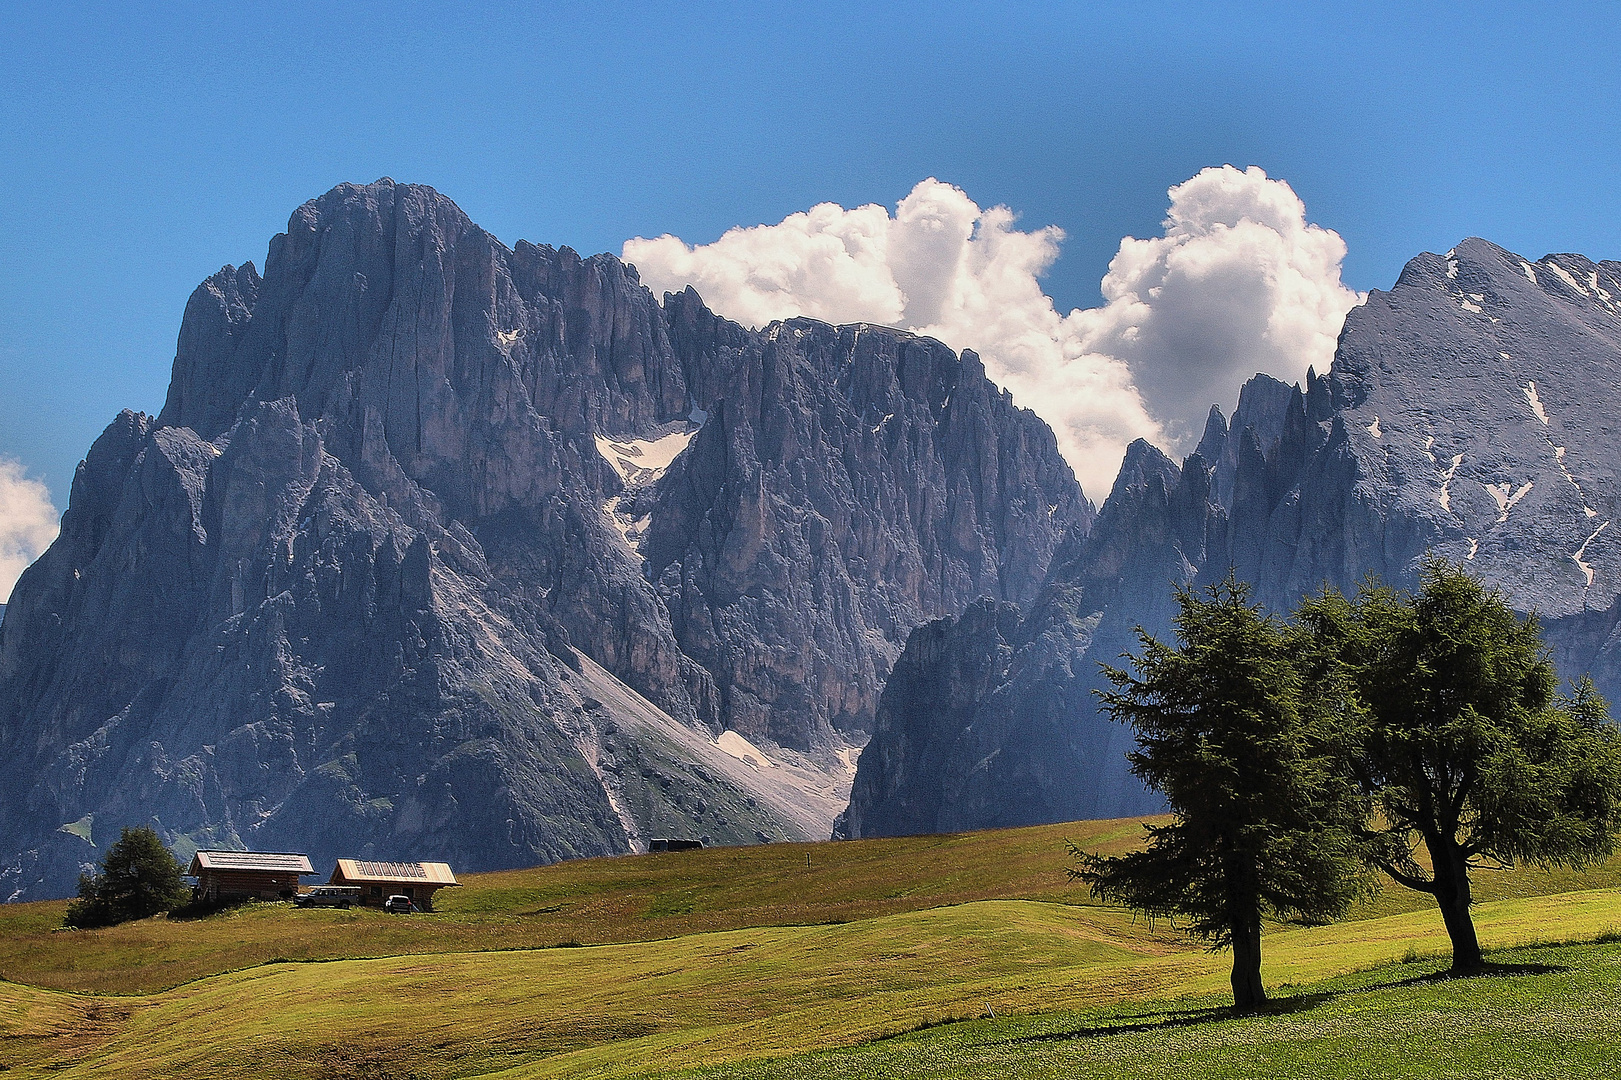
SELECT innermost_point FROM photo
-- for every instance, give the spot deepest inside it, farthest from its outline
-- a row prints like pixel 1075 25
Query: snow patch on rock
pixel 632 459
pixel 1568 280
pixel 1559 456
pixel 1445 498
pixel 640 463
pixel 743 750
pixel 1536 402
pixel 1505 500
pixel 1586 568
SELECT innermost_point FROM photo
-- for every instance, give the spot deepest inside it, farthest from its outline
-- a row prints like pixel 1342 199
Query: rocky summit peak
pixel 444 549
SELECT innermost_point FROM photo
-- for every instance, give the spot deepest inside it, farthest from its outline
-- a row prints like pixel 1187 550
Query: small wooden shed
pixel 226 876
pixel 674 843
pixel 380 880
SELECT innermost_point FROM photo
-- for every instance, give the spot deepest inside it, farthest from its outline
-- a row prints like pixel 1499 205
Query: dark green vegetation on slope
pixel 1297 755
pixel 137 878
pixel 1462 740
pixel 1252 754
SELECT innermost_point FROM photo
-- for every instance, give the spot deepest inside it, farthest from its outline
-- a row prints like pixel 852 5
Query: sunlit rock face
pixel 1473 411
pixel 441 549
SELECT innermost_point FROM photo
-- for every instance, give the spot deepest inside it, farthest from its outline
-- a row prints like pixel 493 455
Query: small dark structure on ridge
pixel 380 880
pixel 661 843
pixel 225 877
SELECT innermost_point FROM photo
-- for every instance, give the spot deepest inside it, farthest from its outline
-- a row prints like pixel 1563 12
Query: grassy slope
pixel 758 986
pixel 1393 1021
pixel 640 898
pixel 590 901
pixel 636 1009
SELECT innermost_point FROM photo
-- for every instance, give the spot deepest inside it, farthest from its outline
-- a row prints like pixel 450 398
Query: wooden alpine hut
pixel 380 880
pixel 227 876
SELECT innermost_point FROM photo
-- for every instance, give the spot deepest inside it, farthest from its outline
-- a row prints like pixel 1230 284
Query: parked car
pixel 400 905
pixel 338 896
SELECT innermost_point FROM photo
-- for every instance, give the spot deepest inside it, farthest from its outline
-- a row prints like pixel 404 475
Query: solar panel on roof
pixel 393 870
pixel 254 860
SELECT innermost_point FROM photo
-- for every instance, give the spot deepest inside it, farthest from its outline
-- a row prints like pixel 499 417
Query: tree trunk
pixel 1452 895
pixel 1248 993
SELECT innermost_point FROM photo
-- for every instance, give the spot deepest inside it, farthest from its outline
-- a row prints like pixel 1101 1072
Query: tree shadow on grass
pixel 1487 970
pixel 1281 1006
pixel 1178 1018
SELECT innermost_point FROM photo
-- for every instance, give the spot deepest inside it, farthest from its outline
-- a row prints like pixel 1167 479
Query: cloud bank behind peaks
pixel 1238 283
pixel 27 523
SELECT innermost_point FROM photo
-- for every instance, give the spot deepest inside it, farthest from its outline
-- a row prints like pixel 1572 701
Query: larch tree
pixel 1466 752
pixel 1241 729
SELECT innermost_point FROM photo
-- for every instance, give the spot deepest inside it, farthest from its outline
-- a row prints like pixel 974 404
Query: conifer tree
pixel 138 878
pixel 1468 755
pixel 1241 726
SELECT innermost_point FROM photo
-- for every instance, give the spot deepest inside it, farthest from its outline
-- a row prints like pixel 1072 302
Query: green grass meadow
pixel 1397 1020
pixel 879 958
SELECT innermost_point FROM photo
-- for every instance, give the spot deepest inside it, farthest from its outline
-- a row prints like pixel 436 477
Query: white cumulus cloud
pixel 27 523
pixel 1238 283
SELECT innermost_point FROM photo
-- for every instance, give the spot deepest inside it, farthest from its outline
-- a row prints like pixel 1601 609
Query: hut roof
pixel 363 871
pixel 281 862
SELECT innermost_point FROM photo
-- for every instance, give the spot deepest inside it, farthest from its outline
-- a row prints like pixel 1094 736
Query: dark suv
pixel 338 896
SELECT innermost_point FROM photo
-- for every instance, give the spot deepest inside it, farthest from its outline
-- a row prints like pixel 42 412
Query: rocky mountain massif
pixel 1474 411
pixel 444 549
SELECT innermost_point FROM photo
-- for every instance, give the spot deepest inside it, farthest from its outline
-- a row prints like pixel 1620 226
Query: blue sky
pixel 141 151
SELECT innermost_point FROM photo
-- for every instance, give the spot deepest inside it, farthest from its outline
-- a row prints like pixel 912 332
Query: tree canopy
pixel 138 878
pixel 1240 726
pixel 1464 747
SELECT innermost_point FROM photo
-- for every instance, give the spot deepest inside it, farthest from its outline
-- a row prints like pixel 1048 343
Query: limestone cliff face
pixel 849 483
pixel 1016 737
pixel 1471 411
pixel 444 549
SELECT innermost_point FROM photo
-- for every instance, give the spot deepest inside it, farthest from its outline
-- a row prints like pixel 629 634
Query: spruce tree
pixel 138 878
